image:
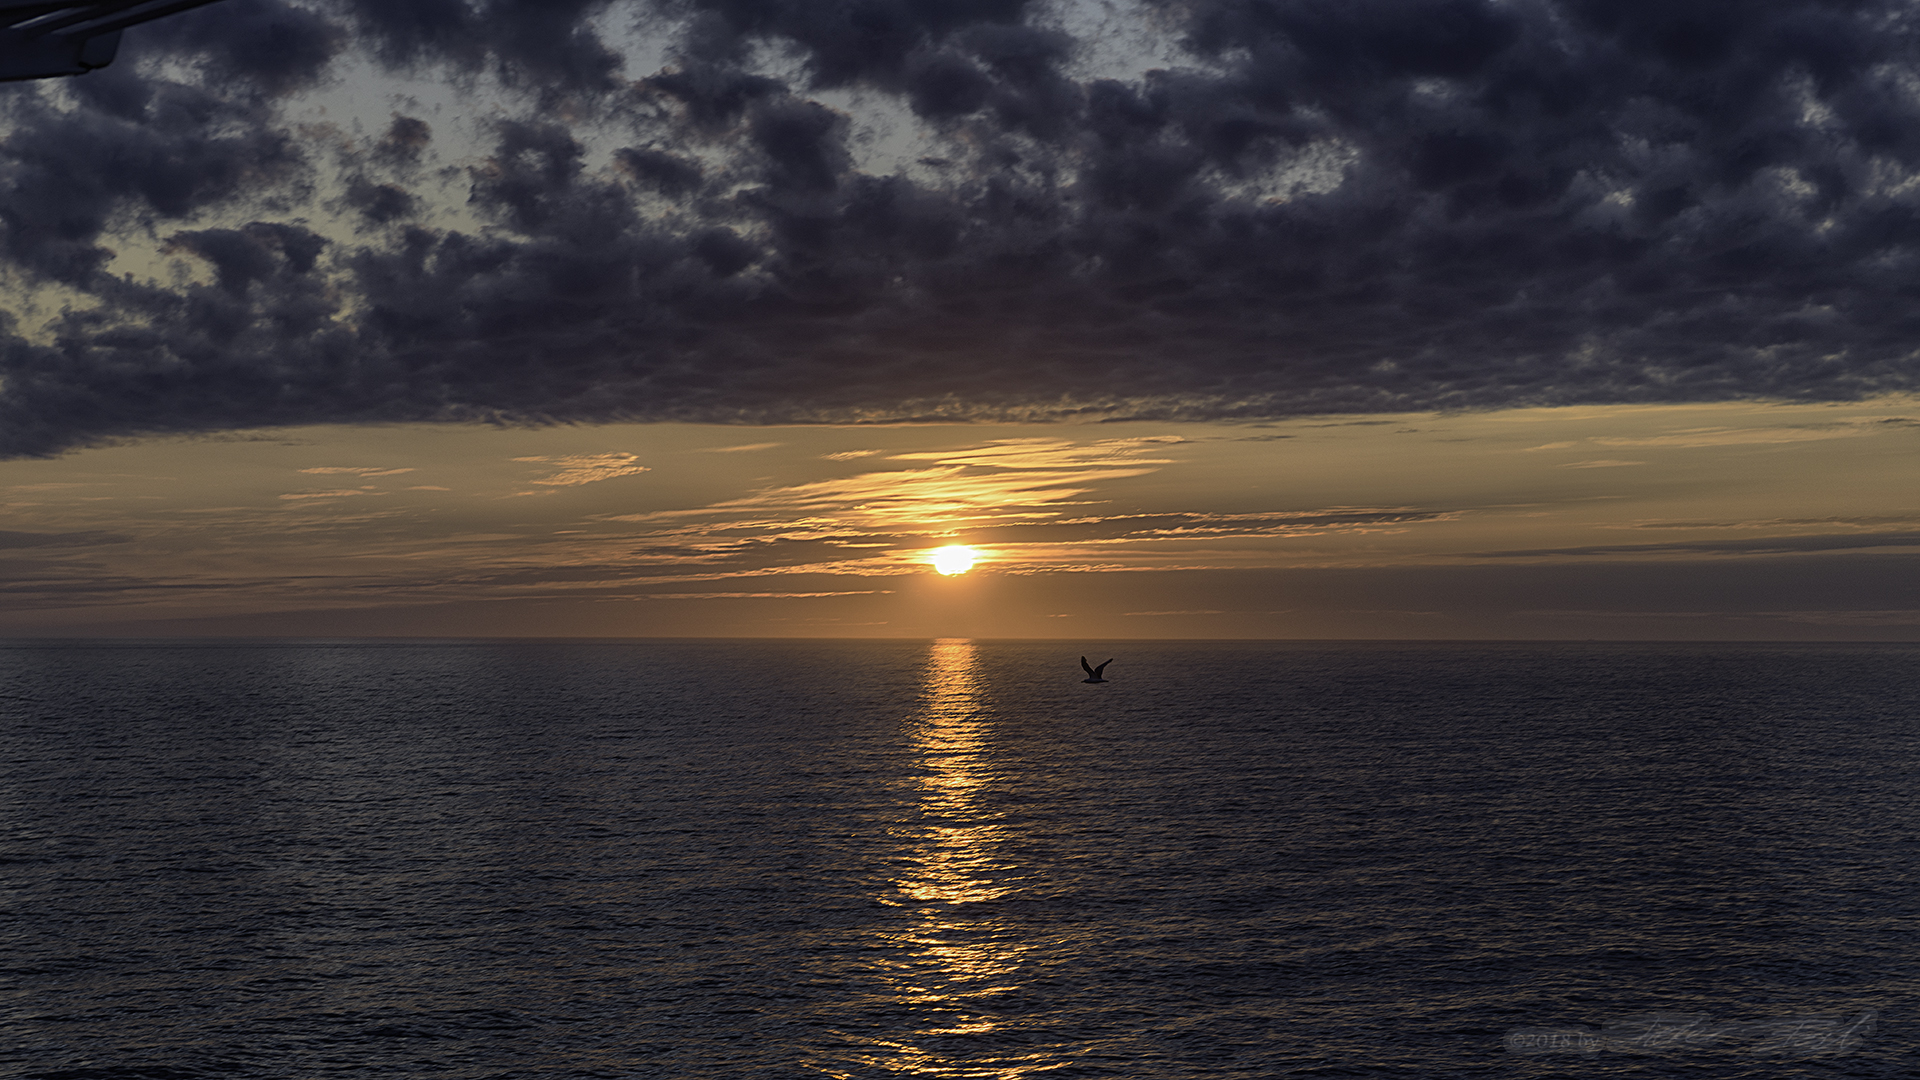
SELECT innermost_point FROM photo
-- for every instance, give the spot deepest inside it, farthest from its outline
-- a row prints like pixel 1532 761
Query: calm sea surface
pixel 954 859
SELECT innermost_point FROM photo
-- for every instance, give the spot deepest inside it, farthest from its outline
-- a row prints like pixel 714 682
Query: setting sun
pixel 954 559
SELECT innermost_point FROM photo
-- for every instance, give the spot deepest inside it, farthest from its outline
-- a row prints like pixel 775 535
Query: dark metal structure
pixel 41 39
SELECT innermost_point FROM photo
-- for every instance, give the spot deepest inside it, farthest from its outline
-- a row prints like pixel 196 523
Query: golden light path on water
pixel 961 960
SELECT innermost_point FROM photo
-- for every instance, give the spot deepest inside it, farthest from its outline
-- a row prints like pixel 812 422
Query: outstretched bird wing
pixel 1088 668
pixel 1101 668
pixel 41 39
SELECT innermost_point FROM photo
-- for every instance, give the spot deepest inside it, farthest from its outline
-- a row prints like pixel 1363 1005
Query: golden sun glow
pixel 954 559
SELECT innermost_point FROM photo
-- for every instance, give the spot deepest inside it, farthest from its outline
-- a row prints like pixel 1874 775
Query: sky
pixel 1221 318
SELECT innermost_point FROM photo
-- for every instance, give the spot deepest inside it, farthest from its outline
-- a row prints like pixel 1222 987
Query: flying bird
pixel 44 39
pixel 1093 673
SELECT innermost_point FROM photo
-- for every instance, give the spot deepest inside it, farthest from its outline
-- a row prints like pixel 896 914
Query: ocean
pixel 852 859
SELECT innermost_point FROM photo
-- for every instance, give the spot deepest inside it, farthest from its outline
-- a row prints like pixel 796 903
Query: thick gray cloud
pixel 1326 206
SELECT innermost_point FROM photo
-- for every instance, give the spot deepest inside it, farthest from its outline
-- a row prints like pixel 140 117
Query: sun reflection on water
pixel 957 863
pixel 958 965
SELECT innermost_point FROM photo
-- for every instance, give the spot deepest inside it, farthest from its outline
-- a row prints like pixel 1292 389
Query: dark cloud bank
pixel 1512 203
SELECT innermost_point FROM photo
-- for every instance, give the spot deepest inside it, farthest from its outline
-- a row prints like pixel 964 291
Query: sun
pixel 953 559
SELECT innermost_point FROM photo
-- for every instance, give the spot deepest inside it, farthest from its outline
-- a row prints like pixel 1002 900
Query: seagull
pixel 1093 673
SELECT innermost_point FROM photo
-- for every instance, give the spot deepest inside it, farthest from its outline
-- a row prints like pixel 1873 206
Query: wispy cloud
pixel 1777 545
pixel 337 493
pixel 741 449
pixel 580 469
pixel 1028 504
pixel 1011 480
pixel 1839 617
pixel 326 470
pixel 753 595
pixel 1699 437
pixel 1706 437
pixel 10 540
pixel 1886 617
pixel 1049 453
pixel 1875 522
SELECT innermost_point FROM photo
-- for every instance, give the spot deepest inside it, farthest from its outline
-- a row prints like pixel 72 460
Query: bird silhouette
pixel 1093 673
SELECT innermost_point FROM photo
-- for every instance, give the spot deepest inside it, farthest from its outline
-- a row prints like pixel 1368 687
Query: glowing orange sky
pixel 1671 521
